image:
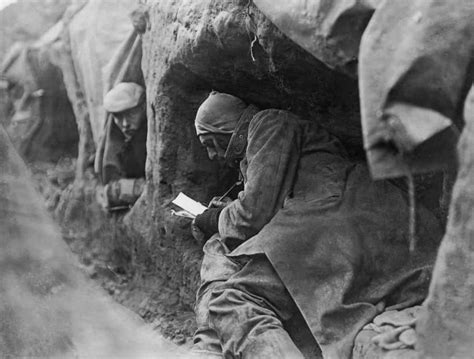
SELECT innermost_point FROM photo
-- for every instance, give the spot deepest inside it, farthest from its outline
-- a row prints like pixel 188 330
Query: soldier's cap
pixel 219 113
pixel 123 96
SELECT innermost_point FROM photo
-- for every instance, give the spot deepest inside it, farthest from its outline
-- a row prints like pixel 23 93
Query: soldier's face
pixel 129 121
pixel 216 145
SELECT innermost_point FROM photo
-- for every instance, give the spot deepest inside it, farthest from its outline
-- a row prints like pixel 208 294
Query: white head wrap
pixel 219 113
pixel 123 96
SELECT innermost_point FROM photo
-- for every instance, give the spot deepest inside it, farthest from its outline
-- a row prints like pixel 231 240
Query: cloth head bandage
pixel 123 96
pixel 219 113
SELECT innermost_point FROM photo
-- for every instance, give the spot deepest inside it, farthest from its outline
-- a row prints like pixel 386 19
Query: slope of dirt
pixel 106 252
pixel 48 308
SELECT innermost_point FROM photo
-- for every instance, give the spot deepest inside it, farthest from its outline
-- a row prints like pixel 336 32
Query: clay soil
pixel 107 256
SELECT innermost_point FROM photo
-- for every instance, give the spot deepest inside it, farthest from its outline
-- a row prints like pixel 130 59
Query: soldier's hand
pixel 102 197
pixel 218 202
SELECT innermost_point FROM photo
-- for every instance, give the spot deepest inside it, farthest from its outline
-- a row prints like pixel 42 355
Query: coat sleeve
pixel 272 154
pixel 415 70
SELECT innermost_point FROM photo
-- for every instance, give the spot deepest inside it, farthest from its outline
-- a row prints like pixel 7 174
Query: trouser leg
pixel 247 311
pixel 205 338
pixel 215 269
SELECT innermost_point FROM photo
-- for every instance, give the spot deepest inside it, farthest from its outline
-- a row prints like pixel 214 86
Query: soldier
pixel 123 164
pixel 310 232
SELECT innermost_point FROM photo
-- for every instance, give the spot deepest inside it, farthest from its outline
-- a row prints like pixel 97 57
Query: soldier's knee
pixel 223 302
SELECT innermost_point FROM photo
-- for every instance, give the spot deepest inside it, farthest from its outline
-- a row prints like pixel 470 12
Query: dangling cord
pixel 412 219
pixel 255 39
pixel 252 30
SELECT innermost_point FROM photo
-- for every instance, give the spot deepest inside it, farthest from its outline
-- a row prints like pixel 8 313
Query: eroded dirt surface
pixel 142 294
pixel 49 309
pixel 108 256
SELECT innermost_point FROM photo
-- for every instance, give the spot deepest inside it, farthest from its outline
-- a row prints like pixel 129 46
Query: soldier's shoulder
pixel 275 117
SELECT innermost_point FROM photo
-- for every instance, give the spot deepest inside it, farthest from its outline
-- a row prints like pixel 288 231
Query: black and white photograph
pixel 236 179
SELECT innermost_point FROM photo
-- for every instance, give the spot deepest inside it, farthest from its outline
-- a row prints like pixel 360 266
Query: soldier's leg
pixel 215 269
pixel 247 312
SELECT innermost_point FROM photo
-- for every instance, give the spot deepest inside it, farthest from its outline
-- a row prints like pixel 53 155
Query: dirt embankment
pixel 191 48
pixel 48 308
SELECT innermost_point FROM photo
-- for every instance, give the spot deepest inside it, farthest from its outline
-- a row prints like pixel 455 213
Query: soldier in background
pixel 123 163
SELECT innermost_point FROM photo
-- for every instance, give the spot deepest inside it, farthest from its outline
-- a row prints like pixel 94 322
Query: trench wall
pixel 191 48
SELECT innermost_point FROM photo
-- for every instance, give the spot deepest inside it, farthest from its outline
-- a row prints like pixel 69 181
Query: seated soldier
pixel 124 155
pixel 309 233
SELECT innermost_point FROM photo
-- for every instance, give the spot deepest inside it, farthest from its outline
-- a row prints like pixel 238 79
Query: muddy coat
pixel 337 240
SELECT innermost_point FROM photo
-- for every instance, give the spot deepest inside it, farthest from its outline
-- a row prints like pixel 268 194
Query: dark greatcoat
pixel 121 158
pixel 338 241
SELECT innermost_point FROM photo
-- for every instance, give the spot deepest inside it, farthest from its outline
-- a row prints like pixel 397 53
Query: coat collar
pixel 238 142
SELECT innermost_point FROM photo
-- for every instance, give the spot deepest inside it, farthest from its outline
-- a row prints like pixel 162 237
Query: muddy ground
pixel 122 263
pixel 108 255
